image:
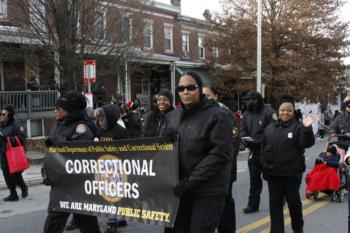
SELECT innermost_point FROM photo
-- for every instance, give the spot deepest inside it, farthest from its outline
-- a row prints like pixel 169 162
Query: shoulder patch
pixel 80 129
pixel 234 132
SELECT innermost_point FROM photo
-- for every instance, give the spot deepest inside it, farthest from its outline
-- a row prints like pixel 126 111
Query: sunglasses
pixel 3 114
pixel 348 106
pixel 190 87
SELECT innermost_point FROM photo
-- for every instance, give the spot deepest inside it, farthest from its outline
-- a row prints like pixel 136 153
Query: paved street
pixel 323 216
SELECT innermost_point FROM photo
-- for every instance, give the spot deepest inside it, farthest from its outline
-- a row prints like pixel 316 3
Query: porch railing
pixel 29 101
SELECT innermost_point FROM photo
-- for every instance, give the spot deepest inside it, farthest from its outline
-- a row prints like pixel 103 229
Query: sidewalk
pixel 32 175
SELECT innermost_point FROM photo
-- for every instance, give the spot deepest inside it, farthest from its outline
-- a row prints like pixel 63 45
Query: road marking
pixel 306 212
pixel 266 220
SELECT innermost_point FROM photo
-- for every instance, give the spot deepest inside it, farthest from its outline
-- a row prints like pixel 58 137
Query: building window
pixel 201 49
pixel 216 52
pixel 37 14
pixel 186 44
pixel 126 29
pixel 3 9
pixel 168 35
pixel 148 35
pixel 100 25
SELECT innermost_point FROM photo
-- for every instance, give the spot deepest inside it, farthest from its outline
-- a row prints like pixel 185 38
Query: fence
pixel 29 101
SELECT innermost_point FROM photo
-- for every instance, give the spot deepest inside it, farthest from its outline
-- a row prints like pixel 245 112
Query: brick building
pixel 165 43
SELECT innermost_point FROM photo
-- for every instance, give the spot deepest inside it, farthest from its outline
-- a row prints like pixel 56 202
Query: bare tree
pixel 303 45
pixel 69 31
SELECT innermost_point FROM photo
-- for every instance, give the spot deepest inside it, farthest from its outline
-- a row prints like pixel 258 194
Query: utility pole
pixel 258 49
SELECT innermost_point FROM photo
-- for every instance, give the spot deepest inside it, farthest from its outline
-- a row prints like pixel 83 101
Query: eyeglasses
pixel 190 87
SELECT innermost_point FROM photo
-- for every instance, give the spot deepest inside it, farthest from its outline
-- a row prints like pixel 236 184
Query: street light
pixel 258 50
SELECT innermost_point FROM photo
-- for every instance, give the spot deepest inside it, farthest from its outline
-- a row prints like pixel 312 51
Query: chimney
pixel 176 3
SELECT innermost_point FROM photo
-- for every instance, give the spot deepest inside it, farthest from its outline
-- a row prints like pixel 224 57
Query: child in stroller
pixel 325 176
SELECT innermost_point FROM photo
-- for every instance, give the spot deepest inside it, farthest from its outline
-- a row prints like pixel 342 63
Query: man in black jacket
pixel 205 152
pixel 72 124
pixel 254 121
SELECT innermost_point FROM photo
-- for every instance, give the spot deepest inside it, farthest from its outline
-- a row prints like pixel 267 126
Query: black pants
pixel 280 188
pixel 255 180
pixel 56 222
pixel 198 215
pixel 228 218
pixel 12 180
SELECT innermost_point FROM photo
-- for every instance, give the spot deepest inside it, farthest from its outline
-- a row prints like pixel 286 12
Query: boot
pixel 24 192
pixel 13 196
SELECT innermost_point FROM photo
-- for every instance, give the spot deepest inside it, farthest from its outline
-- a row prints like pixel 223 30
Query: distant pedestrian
pixel 254 121
pixel 205 153
pixel 283 163
pixel 9 128
pixel 298 115
pixel 133 120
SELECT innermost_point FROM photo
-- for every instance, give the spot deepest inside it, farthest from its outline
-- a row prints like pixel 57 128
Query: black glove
pixel 181 188
pixel 45 175
pixel 49 141
pixel 170 133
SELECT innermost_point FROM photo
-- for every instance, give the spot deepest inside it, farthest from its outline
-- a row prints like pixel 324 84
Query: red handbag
pixel 16 157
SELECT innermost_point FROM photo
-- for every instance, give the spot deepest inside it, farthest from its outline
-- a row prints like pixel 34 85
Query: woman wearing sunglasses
pixel 9 128
pixel 205 152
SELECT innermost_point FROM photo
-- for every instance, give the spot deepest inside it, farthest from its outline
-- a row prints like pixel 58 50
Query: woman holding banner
pixel 205 153
pixel 72 124
pixel 9 128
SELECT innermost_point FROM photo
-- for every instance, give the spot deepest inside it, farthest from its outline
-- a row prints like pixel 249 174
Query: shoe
pixel 25 192
pixel 250 209
pixel 71 226
pixel 11 198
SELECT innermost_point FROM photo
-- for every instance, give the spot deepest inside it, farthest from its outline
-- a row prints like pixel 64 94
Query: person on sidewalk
pixel 109 130
pixel 228 218
pixel 72 124
pixel 254 121
pixel 9 128
pixel 205 154
pixel 283 163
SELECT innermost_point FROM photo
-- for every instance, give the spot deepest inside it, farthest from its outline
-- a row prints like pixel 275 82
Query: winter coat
pixel 11 130
pixel 113 130
pixel 331 161
pixel 341 124
pixel 253 124
pixel 134 125
pixel 205 147
pixel 154 122
pixel 283 147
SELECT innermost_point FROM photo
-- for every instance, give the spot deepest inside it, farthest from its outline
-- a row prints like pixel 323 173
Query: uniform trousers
pixel 288 188
pixel 198 215
pixel 256 183
pixel 56 222
pixel 12 180
pixel 228 218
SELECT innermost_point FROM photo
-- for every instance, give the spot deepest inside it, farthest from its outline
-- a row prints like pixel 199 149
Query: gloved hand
pixel 45 175
pixel 49 141
pixel 170 133
pixel 181 188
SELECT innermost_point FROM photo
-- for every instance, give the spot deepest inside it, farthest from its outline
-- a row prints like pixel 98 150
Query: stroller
pixel 329 176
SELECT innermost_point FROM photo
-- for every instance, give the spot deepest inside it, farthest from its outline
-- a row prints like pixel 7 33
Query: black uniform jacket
pixel 154 122
pixel 283 148
pixel 205 147
pixel 113 130
pixel 253 124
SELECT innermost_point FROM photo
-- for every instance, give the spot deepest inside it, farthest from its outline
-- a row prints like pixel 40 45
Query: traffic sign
pixel 89 71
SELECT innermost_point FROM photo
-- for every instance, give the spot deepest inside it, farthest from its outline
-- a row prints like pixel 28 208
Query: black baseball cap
pixel 252 95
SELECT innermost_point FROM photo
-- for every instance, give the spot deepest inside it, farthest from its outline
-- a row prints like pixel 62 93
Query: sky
pixel 195 8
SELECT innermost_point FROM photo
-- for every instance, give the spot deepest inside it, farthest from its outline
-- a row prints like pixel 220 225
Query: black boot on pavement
pixel 13 196
pixel 25 192
pixel 250 209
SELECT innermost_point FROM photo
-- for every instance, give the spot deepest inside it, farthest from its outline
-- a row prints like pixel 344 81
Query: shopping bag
pixel 16 157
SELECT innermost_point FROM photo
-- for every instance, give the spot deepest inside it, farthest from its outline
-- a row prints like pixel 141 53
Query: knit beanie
pixel 332 150
pixel 167 94
pixel 72 101
pixel 132 105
